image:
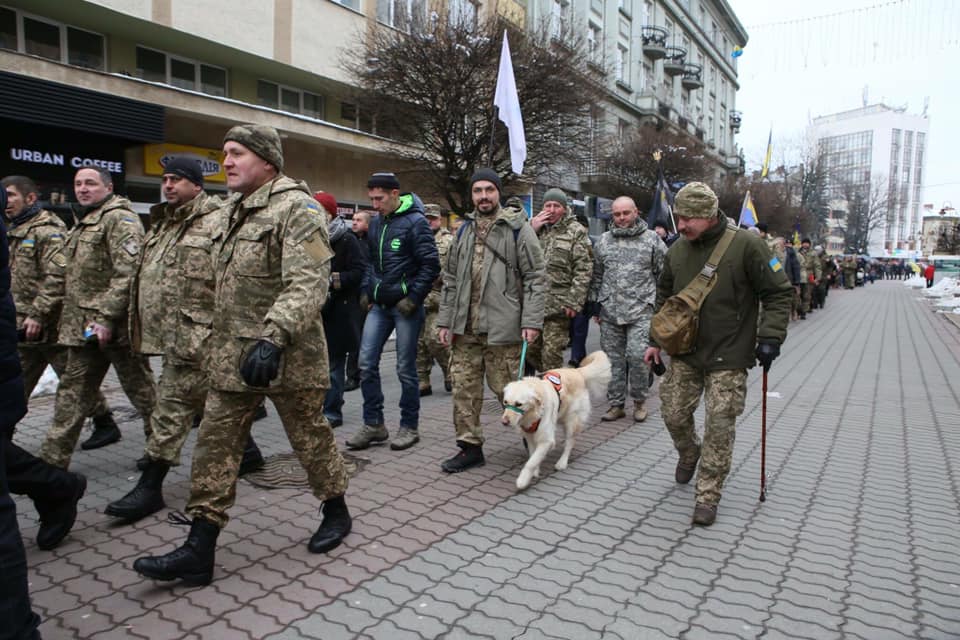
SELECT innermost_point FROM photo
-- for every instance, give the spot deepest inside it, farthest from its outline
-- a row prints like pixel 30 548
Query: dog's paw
pixel 561 464
pixel 523 481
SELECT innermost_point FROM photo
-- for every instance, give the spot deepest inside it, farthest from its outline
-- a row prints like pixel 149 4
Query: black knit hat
pixel 486 174
pixel 383 180
pixel 185 167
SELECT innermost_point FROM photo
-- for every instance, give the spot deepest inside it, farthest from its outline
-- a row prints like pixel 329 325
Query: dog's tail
pixel 595 369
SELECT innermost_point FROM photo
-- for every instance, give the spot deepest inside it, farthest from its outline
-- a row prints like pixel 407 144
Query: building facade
pixel 878 152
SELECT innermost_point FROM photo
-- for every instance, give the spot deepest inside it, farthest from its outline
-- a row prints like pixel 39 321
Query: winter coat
pixel 568 265
pixel 627 265
pixel 792 266
pixel 746 275
pixel 13 405
pixel 37 281
pixel 404 261
pixel 342 320
pixel 511 296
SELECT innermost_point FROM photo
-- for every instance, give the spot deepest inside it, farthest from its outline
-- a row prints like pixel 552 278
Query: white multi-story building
pixel 882 150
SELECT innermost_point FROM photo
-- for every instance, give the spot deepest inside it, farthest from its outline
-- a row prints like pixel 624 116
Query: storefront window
pixel 84 49
pixel 151 65
pixel 183 74
pixel 213 80
pixel 41 38
pixel 8 29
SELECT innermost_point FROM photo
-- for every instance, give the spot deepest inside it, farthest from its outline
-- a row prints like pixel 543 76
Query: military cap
pixel 432 210
pixel 696 200
pixel 261 139
pixel 555 195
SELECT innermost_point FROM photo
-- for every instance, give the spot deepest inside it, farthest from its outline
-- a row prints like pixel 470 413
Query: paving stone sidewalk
pixel 858 537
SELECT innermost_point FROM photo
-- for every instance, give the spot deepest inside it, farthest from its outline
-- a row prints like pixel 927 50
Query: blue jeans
pixel 333 402
pixel 380 322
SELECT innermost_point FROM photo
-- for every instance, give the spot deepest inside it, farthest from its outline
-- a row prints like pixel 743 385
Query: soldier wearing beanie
pixel 732 338
pixel 429 348
pixel 566 248
pixel 271 273
pixel 492 300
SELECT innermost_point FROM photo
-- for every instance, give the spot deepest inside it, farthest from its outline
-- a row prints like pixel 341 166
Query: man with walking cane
pixel 736 272
pixel 492 301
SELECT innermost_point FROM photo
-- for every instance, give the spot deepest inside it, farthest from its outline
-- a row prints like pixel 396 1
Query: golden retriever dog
pixel 536 406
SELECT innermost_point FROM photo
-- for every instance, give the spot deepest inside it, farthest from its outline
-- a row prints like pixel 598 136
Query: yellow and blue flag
pixel 767 156
pixel 748 213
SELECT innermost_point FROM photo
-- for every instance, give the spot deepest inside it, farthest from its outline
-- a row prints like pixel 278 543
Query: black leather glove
pixel 262 364
pixel 364 301
pixel 407 306
pixel 766 353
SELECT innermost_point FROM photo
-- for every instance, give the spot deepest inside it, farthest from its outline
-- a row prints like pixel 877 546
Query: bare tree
pixel 866 212
pixel 433 88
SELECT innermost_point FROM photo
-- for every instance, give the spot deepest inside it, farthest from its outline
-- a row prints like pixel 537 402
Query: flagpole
pixel 493 128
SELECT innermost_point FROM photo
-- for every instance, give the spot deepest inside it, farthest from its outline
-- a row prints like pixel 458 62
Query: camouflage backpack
pixel 676 325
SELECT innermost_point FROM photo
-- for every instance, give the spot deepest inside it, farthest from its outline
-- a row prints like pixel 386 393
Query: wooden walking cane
pixel 763 440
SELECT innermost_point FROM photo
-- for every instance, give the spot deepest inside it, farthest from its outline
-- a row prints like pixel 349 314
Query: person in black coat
pixel 342 320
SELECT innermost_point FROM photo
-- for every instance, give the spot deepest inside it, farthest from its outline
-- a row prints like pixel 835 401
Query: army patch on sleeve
pixel 775 264
pixel 59 259
pixel 131 246
pixel 316 248
pixel 28 242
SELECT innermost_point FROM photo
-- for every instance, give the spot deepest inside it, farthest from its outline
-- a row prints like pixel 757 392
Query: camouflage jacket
pixel 809 265
pixel 443 239
pixel 36 279
pixel 272 267
pixel 511 295
pixel 627 264
pixel 103 251
pixel 568 265
pixel 171 302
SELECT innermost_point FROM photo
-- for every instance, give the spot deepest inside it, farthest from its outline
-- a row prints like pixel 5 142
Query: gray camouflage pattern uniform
pixel 568 267
pixel 429 348
pixel 36 283
pixel 171 313
pixel 272 267
pixel 627 265
pixel 103 250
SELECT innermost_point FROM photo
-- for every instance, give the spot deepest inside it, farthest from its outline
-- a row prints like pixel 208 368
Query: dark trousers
pixel 19 620
pixel 579 328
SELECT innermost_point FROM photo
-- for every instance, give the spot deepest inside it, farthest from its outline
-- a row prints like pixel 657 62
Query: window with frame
pixel 463 13
pixel 594 43
pixel 183 73
pixel 623 63
pixel 350 4
pixel 559 15
pixel 37 36
pixel 402 14
pixel 289 99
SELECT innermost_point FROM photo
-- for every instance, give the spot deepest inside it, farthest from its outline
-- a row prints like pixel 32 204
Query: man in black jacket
pixel 404 263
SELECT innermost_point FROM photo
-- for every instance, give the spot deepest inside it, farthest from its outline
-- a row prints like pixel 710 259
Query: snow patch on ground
pixel 47 385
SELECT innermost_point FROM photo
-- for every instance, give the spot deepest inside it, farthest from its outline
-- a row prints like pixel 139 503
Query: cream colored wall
pixel 320 30
pixel 138 8
pixel 243 24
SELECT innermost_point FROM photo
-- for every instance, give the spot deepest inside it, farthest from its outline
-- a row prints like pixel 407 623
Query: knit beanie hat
pixel 185 167
pixel 383 180
pixel 555 195
pixel 328 202
pixel 486 174
pixel 696 200
pixel 261 139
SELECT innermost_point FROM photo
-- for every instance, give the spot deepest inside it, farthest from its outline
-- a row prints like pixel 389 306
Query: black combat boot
pixel 334 528
pixel 192 563
pixel 470 456
pixel 57 517
pixel 105 431
pixel 145 498
pixel 252 458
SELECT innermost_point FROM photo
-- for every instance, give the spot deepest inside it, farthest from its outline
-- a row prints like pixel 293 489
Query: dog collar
pixel 531 428
pixel 553 378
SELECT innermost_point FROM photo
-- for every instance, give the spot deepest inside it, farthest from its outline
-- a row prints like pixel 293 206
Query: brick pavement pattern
pixel 857 538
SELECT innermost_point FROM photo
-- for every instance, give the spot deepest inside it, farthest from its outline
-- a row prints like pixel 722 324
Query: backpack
pixel 676 326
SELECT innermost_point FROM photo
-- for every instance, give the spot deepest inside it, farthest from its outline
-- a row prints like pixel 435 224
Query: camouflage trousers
pixel 224 432
pixel 429 350
pixel 624 344
pixel 547 351
pixel 724 395
pixel 470 358
pixel 807 294
pixel 76 395
pixel 795 301
pixel 181 393
pixel 34 360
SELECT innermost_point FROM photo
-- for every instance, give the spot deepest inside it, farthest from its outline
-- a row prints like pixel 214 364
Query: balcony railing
pixel 735 120
pixel 674 61
pixel 692 76
pixel 654 42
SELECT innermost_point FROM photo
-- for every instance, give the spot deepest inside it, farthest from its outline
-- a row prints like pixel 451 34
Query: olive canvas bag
pixel 676 325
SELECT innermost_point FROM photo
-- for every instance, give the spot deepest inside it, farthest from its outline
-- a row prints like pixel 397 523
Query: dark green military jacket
pixel 747 275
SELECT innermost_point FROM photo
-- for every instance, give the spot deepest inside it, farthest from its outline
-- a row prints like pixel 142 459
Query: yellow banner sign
pixel 155 156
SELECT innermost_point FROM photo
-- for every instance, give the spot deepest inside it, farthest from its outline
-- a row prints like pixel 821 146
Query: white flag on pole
pixel 506 100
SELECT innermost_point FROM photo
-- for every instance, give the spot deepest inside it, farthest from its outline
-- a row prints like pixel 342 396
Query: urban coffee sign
pixel 64 160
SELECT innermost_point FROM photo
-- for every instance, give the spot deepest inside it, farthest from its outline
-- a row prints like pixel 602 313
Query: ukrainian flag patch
pixel 28 242
pixel 775 264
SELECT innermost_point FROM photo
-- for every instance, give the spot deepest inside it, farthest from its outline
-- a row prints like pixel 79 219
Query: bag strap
pixel 704 282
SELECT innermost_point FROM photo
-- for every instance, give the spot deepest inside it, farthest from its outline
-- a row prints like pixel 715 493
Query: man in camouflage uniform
pixel 849 267
pixel 627 264
pixel 36 235
pixel 811 274
pixel 492 300
pixel 568 267
pixel 272 267
pixel 731 338
pixel 103 250
pixel 429 348
pixel 171 312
